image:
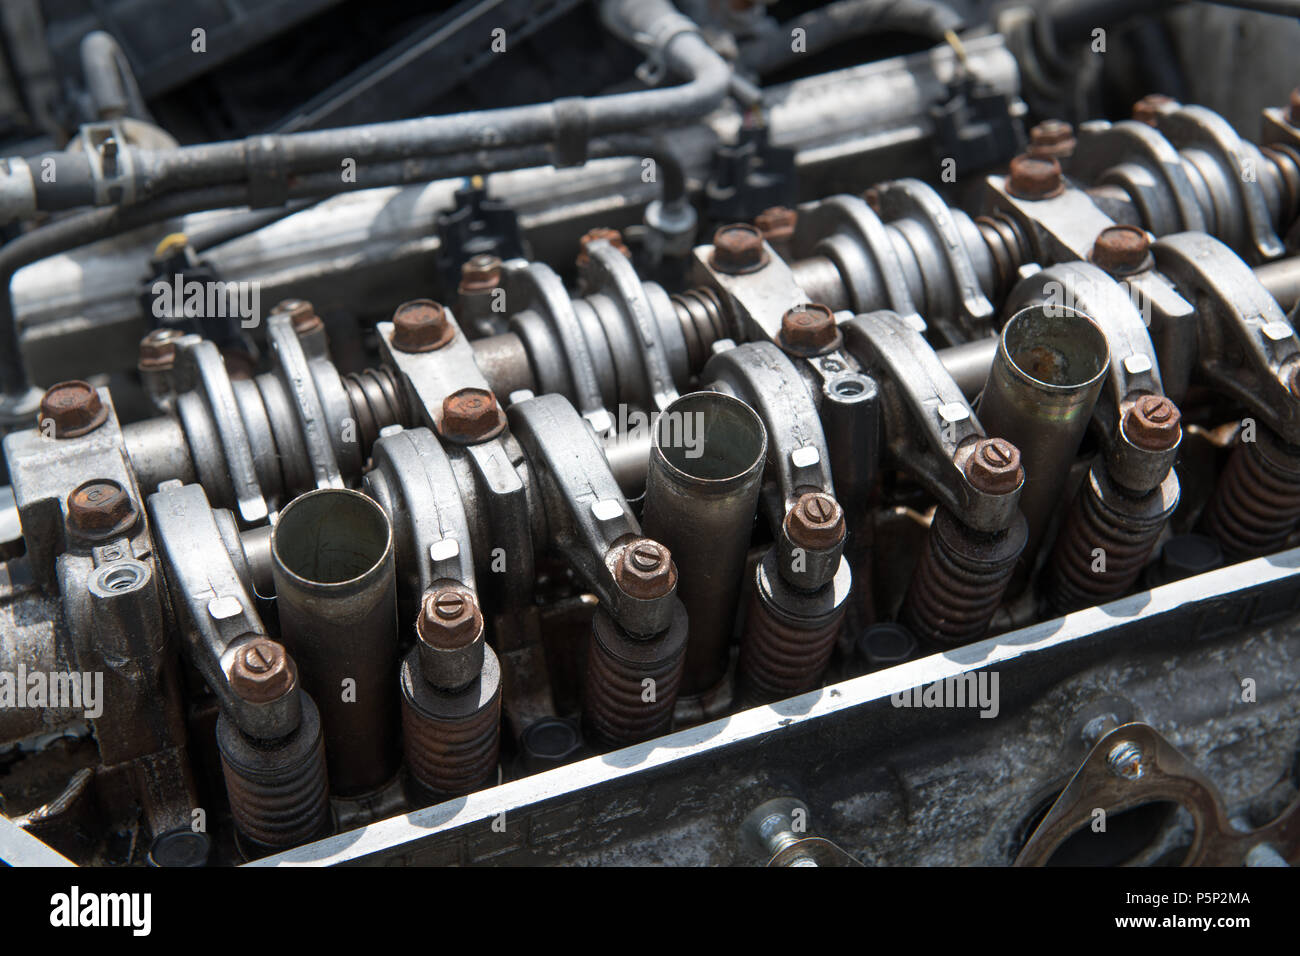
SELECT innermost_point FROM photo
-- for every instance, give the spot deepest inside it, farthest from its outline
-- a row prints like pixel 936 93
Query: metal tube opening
pixel 331 537
pixel 1052 348
pixel 710 438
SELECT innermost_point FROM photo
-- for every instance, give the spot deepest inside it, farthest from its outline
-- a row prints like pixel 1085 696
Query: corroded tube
pixel 706 464
pixel 1046 376
pixel 332 562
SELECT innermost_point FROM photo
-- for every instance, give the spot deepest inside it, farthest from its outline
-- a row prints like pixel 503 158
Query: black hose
pixel 274 160
pixel 672 173
pixel 848 20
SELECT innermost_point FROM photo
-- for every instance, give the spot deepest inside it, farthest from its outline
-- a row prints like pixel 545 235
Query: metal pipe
pixel 969 364
pixel 706 465
pixel 332 563
pixel 1282 280
pixel 1047 373
pixel 655 26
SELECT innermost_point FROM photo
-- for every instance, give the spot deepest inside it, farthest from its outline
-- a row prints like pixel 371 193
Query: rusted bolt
pixel 738 248
pixel 1152 423
pixel 1293 107
pixel 1032 177
pixel 994 466
pixel 816 522
pixel 1148 109
pixel 421 326
pixel 612 236
pixel 262 672
pixel 872 198
pixel 301 313
pixel 449 618
pixel 808 329
pixel 100 507
pixel 471 414
pixel 1122 250
pixel 481 273
pixel 73 408
pixel 777 223
pixel 158 350
pixel 645 570
pixel 1052 139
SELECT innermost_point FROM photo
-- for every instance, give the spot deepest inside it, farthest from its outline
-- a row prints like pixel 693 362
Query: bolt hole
pixel 120 578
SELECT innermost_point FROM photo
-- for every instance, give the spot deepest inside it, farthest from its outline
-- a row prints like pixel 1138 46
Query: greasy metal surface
pixel 905 785
pixel 1153 770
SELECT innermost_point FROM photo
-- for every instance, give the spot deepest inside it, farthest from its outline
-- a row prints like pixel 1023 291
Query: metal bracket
pixel 1245 346
pixel 1134 765
pixel 929 426
pixel 587 516
pixel 763 377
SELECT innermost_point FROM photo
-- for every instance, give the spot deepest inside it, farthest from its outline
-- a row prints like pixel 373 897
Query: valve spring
pixel 376 403
pixel 960 579
pixel 450 757
pixel 704 321
pixel 1256 503
pixel 1006 246
pixel 781 657
pixel 615 706
pixel 1125 542
pixel 279 792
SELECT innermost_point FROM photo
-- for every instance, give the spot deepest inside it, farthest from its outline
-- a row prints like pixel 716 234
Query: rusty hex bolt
pixel 74 409
pixel 99 507
pixel 738 248
pixel 1152 423
pixel 612 236
pixel 808 329
pixel 262 672
pixel 481 273
pixel 301 313
pixel 645 570
pixel 816 522
pixel 449 618
pixel 471 414
pixel 421 326
pixel 1052 139
pixel 1293 107
pixel 158 350
pixel 994 466
pixel 777 223
pixel 1122 250
pixel 1032 177
pixel 1148 109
